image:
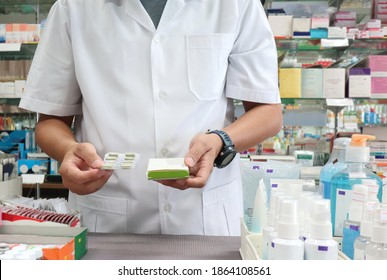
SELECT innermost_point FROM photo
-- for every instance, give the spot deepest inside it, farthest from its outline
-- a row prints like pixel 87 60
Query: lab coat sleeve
pixel 253 71
pixel 51 86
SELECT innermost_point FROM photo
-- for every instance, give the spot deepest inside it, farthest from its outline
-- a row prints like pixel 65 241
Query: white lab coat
pixel 138 89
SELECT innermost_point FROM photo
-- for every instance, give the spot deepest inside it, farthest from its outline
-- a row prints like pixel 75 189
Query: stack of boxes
pixel 326 77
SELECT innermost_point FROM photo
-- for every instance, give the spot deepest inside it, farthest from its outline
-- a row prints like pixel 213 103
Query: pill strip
pixel 113 161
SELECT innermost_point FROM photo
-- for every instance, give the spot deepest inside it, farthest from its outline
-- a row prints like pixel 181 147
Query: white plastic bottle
pixel 320 245
pixel 303 209
pixel 268 230
pixel 287 245
pixel 351 226
pixel 307 217
pixel 364 239
pixel 377 249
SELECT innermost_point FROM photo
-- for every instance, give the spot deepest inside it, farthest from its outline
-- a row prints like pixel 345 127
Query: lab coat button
pixel 156 39
pixel 167 207
pixel 164 152
pixel 162 94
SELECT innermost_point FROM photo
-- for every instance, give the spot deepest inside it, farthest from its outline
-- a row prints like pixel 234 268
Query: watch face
pixel 226 157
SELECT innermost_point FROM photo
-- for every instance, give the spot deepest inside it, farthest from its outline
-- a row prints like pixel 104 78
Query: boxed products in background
pixel 334 82
pixel 359 82
pixel 290 82
pixel 311 83
pixel 378 66
pixel 11 187
pixel 69 243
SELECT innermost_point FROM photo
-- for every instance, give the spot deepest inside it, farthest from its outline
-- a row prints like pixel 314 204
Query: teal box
pixel 319 33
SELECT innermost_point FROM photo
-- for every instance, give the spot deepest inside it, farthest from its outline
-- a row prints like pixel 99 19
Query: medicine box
pixel 311 83
pixel 281 25
pixel 167 169
pixel 290 82
pixel 334 82
pixel 71 241
pixel 359 82
pixel 11 188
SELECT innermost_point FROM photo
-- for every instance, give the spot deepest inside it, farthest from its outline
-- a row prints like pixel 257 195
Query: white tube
pixel 259 220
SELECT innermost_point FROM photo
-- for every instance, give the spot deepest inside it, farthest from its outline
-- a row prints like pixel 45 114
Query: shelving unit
pixel 16 57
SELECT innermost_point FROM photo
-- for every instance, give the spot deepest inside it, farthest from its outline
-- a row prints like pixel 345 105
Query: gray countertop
pixel 103 246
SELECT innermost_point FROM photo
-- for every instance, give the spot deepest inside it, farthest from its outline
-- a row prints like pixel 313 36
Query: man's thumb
pixel 88 153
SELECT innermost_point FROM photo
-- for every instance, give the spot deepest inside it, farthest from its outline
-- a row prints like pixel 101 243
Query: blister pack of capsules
pixel 113 161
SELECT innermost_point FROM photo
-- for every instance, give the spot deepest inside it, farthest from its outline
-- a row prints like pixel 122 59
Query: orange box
pixel 69 243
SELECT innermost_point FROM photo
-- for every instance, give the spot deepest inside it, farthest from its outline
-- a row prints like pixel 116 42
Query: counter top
pixel 104 246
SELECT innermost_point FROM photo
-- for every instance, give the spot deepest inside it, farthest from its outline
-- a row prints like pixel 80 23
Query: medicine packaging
pixel 113 161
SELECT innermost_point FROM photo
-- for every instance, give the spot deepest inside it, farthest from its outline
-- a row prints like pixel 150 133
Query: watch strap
pixel 227 142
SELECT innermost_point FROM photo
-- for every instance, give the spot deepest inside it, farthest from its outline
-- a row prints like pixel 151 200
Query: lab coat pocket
pixel 103 214
pixel 222 210
pixel 207 61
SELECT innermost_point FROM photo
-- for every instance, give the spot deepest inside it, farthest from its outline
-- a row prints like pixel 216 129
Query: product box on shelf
pixel 281 25
pixel 311 83
pixel 378 66
pixel 334 82
pixel 11 187
pixel 290 82
pixel 68 243
pixel 359 82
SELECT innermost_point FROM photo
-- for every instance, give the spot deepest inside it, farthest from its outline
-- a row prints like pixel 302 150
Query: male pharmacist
pixel 152 77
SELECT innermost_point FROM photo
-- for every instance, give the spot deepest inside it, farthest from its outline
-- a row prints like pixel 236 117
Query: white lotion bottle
pixel 268 230
pixel 287 245
pixel 364 239
pixel 321 245
pixel 377 249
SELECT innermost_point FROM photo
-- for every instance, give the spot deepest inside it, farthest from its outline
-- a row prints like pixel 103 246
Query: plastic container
pixel 287 245
pixel 335 164
pixel 364 239
pixel 320 245
pixel 351 228
pixel 268 232
pixel 377 249
pixel 357 156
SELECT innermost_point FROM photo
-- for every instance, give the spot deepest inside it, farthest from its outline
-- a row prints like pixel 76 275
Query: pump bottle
pixel 335 164
pixel 377 249
pixel 364 238
pixel 267 231
pixel 287 246
pixel 351 227
pixel 320 245
pixel 356 156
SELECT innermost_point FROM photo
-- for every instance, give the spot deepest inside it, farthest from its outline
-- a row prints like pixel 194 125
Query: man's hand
pixel 203 150
pixel 80 170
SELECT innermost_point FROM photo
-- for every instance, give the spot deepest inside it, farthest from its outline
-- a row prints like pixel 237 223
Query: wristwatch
pixel 228 152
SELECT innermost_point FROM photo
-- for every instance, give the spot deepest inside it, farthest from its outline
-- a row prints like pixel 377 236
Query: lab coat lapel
pixel 135 10
pixel 170 10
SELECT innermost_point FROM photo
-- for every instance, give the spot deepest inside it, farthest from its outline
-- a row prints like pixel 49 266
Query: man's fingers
pixel 88 154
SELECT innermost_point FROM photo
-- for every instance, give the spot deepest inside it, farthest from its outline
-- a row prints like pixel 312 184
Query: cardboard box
pixel 11 188
pixel 72 241
pixel 167 169
pixel 378 65
pixel 290 82
pixel 359 82
pixel 334 82
pixel 379 87
pixel 301 27
pixel 281 25
pixel 311 83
